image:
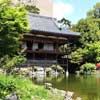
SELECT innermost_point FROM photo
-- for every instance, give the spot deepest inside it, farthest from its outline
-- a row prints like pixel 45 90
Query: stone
pixel 42 99
pixel 33 98
pixel 32 74
pixel 54 91
pixel 48 86
pixel 1 70
pixel 12 97
pixel 62 92
pixel 40 71
pixel 78 98
pixel 68 95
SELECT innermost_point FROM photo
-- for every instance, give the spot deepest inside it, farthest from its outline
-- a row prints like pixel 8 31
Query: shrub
pixel 88 67
pixel 9 63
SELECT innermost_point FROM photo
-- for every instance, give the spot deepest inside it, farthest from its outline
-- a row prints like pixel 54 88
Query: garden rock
pixel 68 95
pixel 62 92
pixel 48 86
pixel 78 98
pixel 12 97
pixel 54 91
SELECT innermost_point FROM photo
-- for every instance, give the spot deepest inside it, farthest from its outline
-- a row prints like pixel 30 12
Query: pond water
pixel 86 87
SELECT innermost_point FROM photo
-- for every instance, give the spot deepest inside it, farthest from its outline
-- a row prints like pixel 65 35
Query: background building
pixel 45 6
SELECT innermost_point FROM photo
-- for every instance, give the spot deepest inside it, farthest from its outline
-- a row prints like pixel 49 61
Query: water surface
pixel 86 87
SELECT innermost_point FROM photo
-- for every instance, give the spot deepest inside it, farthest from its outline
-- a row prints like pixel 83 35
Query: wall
pixel 45 6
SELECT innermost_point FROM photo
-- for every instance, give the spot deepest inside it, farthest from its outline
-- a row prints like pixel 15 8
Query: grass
pixel 26 89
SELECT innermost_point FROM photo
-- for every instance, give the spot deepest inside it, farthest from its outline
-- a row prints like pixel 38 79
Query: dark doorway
pixel 40 46
pixel 29 45
pixel 29 56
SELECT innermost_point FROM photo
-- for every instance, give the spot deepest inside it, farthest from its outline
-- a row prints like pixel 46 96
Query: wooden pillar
pixel 57 57
pixel 33 54
pixel 45 64
pixel 67 73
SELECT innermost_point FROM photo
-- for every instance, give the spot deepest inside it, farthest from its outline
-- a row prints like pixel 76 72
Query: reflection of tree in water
pixel 93 96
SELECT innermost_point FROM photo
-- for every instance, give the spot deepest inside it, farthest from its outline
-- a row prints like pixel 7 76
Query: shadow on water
pixel 87 87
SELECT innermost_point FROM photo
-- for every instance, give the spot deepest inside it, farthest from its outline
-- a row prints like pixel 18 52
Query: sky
pixel 72 10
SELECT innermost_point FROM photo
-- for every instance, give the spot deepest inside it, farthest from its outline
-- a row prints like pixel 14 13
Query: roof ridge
pixel 41 16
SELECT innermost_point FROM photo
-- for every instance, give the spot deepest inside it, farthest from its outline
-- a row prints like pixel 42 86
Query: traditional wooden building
pixel 43 41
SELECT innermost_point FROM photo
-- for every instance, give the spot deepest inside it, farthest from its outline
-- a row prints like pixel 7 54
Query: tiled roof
pixel 47 24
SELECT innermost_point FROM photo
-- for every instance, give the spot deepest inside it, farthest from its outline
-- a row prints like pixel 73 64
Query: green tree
pixel 89 30
pixel 9 63
pixel 94 13
pixel 90 53
pixel 77 57
pixel 29 6
pixel 88 48
pixel 32 9
pixel 65 22
pixel 13 23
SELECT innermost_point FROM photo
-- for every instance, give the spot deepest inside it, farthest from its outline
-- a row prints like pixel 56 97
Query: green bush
pixel 88 67
pixel 9 63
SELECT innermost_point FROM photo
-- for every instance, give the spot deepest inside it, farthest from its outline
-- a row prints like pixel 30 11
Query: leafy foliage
pixel 89 31
pixel 65 22
pixel 94 13
pixel 6 87
pixel 13 22
pixel 65 48
pixel 90 53
pixel 93 51
pixel 88 67
pixel 76 57
pixel 9 63
pixel 25 89
pixel 88 48
pixel 32 9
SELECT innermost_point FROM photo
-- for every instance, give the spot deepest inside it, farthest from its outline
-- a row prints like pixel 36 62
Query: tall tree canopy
pixel 13 23
pixel 89 49
pixel 29 5
pixel 95 12
pixel 89 30
pixel 32 9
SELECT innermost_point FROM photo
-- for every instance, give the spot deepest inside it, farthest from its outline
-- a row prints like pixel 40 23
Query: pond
pixel 87 87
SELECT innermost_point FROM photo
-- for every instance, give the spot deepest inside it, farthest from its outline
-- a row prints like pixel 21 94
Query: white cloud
pixel 60 9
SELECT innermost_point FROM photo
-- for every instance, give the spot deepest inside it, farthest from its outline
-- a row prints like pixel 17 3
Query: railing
pixel 41 62
pixel 44 51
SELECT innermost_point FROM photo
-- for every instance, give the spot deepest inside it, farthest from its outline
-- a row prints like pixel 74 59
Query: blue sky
pixel 72 9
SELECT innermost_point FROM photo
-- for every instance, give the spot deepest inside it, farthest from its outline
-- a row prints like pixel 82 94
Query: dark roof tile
pixel 47 24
